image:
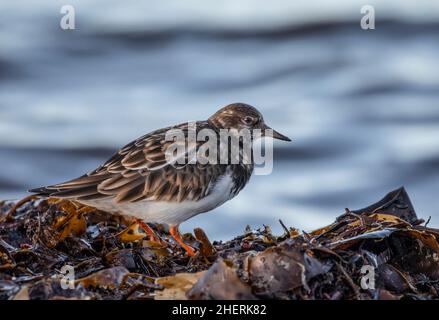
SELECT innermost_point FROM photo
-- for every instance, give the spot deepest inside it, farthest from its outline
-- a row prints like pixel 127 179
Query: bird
pixel 143 182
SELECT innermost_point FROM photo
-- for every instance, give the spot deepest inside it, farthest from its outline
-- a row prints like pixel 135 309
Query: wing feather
pixel 141 171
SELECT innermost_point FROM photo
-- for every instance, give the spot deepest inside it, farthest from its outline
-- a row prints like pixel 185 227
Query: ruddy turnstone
pixel 142 181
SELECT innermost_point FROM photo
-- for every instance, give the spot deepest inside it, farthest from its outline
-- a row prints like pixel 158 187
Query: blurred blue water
pixel 362 106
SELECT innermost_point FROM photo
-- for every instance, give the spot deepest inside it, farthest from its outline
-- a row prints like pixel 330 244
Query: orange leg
pixel 152 235
pixel 177 237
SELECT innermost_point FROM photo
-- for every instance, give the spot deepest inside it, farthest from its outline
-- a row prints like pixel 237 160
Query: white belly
pixel 171 213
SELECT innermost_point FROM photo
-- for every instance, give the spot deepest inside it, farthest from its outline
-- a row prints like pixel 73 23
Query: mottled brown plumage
pixel 141 173
pixel 138 172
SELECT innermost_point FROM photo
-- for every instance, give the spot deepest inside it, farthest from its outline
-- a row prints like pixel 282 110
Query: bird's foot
pixel 152 235
pixel 177 237
pixel 132 234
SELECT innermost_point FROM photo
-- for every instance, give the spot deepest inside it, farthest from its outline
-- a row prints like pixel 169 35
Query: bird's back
pixel 140 171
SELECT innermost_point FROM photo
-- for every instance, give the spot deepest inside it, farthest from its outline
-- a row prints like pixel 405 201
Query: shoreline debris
pixel 56 250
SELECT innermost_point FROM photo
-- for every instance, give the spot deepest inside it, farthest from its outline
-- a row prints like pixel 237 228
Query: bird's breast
pixel 240 174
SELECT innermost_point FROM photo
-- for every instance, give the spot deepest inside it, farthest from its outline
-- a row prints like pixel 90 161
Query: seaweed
pixel 56 249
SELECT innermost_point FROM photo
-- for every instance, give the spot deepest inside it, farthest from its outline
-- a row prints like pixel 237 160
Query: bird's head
pixel 242 116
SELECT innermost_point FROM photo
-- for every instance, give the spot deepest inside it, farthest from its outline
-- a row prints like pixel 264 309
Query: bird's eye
pixel 248 120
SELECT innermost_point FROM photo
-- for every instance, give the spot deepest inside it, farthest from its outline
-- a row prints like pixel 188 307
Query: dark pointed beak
pixel 277 135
